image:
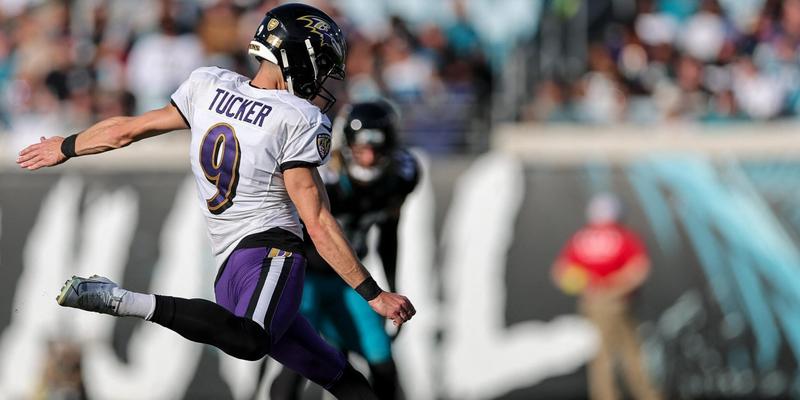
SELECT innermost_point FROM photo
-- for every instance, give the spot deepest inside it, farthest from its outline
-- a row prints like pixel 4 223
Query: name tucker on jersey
pixel 237 107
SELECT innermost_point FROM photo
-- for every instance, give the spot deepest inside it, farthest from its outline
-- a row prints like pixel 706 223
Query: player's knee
pixel 254 350
pixel 252 344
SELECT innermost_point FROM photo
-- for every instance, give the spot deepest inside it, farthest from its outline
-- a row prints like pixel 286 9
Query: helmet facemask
pixel 314 84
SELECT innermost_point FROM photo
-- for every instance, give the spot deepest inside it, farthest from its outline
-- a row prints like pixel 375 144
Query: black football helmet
pixel 373 123
pixel 306 44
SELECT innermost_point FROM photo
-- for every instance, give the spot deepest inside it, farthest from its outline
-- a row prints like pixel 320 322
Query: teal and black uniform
pixel 341 315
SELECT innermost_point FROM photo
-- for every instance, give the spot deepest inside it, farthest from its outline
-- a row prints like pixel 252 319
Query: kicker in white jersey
pixel 243 138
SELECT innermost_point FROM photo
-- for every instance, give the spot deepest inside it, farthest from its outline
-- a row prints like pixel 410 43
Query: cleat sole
pixel 65 291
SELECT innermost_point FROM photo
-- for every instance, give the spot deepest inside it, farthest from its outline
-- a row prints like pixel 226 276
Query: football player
pixel 367 183
pixel 255 148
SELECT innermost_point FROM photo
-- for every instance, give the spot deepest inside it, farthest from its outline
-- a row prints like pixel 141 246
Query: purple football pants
pixel 266 285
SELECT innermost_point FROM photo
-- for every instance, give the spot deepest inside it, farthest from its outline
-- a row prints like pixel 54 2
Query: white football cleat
pixel 95 293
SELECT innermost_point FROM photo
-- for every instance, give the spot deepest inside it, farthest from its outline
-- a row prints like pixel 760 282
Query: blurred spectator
pixel 161 60
pixel 723 108
pixel 605 262
pixel 790 20
pixel 549 104
pixel 6 73
pixel 601 97
pixel 361 71
pixel 461 34
pixel 678 9
pixel 703 34
pixel 759 96
pixel 406 75
pixel 694 97
pixel 218 35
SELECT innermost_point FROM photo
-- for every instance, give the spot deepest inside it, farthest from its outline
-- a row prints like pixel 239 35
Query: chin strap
pixel 313 58
pixel 286 68
pixel 323 93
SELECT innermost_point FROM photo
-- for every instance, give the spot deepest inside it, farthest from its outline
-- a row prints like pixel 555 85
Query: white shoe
pixel 95 293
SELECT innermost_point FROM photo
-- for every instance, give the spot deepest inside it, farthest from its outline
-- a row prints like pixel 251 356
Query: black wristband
pixel 68 146
pixel 368 289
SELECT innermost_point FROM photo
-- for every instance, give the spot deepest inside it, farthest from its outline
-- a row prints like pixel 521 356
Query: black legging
pixel 203 321
pixel 206 322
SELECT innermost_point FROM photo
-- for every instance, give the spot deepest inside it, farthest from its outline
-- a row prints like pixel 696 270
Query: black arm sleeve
pixel 408 173
pixel 387 248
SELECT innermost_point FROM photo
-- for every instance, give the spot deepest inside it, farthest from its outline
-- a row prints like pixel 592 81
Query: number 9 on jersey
pixel 219 157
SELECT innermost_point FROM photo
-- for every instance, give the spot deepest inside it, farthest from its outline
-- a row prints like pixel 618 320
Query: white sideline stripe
pixel 275 269
pixel 577 144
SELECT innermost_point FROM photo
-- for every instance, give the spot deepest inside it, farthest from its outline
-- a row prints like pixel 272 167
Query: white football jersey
pixel 243 138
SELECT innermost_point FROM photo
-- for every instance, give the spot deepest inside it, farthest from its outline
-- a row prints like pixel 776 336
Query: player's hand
pixel 46 153
pixel 393 306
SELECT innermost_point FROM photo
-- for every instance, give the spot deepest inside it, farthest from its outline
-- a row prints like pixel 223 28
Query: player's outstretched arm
pixel 108 134
pixel 306 190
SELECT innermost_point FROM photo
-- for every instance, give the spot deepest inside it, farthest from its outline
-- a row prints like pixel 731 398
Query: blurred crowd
pixel 696 60
pixel 67 63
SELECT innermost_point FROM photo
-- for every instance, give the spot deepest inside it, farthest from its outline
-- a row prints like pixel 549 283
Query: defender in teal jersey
pixel 367 183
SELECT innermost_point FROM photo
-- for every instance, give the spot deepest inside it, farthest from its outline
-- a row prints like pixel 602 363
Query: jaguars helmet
pixel 372 123
pixel 306 44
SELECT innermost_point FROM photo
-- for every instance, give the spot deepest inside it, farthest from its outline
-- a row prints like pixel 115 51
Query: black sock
pixel 207 322
pixel 384 379
pixel 352 386
pixel 164 312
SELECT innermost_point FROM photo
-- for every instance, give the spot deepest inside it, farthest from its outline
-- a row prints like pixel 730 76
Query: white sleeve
pixel 309 145
pixel 183 96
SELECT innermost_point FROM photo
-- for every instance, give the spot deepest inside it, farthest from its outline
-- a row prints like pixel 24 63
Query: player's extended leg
pixel 198 320
pixel 258 291
pixel 248 289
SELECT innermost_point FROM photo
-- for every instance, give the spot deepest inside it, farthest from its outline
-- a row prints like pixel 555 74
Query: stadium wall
pixel 717 206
